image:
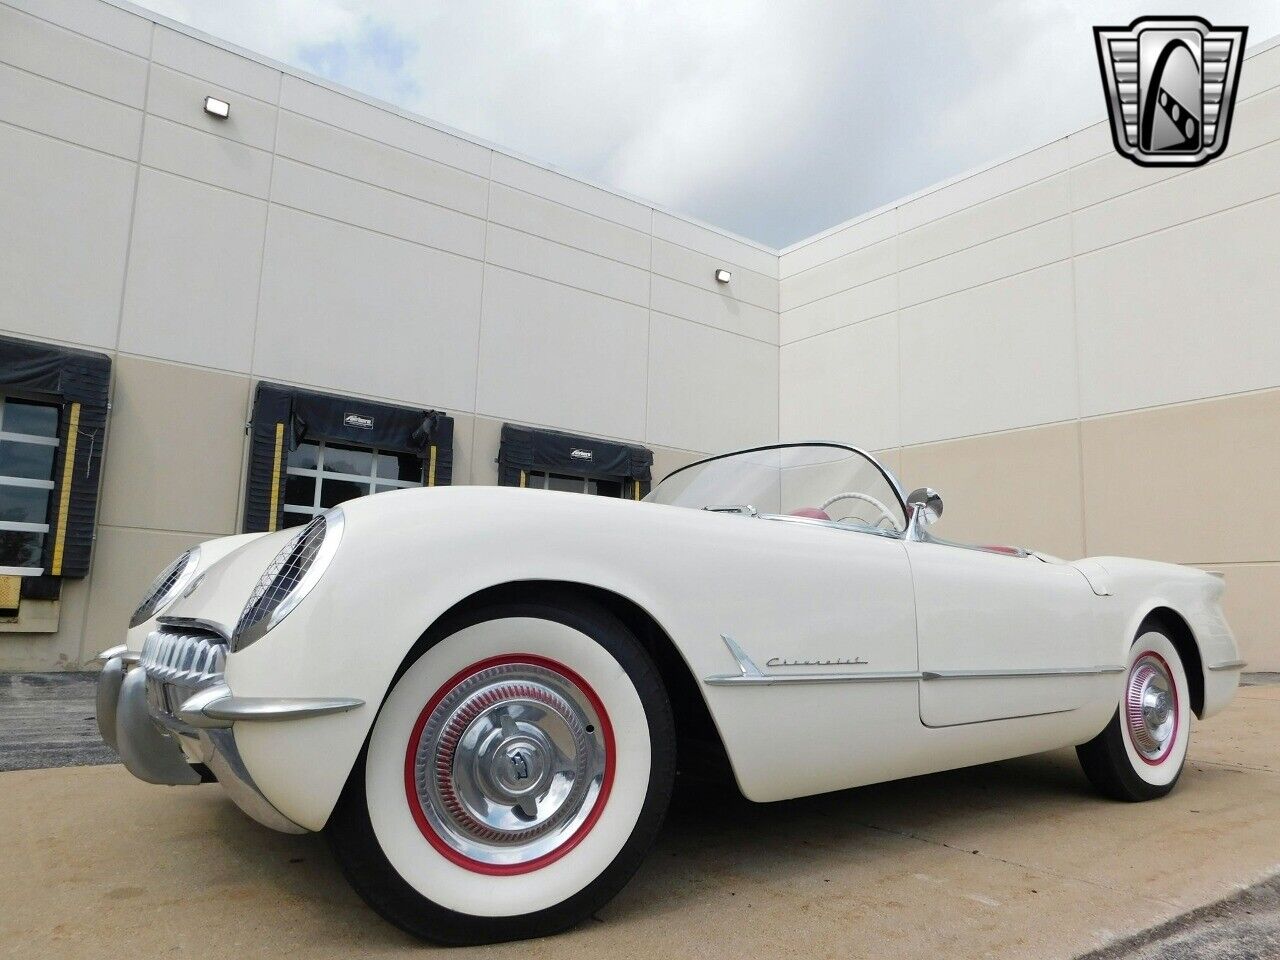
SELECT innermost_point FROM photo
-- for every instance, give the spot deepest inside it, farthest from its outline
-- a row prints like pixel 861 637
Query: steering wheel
pixel 865 498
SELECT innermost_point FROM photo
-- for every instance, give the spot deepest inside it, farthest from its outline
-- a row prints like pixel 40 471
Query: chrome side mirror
pixel 926 504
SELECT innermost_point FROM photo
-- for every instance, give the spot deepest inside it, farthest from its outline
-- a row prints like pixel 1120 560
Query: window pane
pixel 30 460
pixel 560 481
pixel 342 459
pixel 609 488
pixel 19 549
pixel 300 491
pixel 293 519
pixel 334 492
pixel 23 417
pixel 305 456
pixel 24 504
pixel 382 489
pixel 399 466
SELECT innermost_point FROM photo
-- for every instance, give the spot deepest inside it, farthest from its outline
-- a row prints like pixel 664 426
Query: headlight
pixel 165 587
pixel 297 568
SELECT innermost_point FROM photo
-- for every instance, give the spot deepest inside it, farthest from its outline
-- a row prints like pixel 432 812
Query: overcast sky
pixel 771 118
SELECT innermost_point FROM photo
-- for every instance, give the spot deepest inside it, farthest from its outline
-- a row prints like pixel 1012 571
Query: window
pixel 28 449
pixel 322 474
pixel 572 483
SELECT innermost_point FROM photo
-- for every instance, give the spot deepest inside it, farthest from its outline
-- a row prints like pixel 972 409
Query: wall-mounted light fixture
pixel 217 108
pixel 723 275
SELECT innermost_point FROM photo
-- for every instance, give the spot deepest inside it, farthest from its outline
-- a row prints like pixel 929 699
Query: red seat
pixel 813 513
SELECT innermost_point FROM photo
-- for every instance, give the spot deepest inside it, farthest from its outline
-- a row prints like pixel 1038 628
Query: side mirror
pixel 927 504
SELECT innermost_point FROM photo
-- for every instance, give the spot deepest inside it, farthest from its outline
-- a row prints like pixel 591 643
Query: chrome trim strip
pixel 1228 665
pixel 1012 674
pixel 119 650
pixel 750 675
pixel 774 679
pixel 198 623
pixel 214 706
pixel 745 663
pixel 745 509
pixel 279 708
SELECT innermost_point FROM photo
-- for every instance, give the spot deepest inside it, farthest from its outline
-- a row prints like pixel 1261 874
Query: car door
pixel 1001 635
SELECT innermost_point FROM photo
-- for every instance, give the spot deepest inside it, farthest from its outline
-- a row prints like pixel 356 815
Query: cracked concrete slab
pixel 1243 927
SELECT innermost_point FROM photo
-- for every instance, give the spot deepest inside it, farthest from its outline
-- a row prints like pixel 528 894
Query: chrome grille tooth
pixel 184 660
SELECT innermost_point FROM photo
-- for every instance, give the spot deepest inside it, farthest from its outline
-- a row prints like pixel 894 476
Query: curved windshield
pixel 817 481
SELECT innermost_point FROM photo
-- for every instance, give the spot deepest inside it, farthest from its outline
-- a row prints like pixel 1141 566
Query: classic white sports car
pixel 477 692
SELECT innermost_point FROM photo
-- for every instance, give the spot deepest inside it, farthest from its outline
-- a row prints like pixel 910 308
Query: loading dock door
pixel 552 460
pixel 311 451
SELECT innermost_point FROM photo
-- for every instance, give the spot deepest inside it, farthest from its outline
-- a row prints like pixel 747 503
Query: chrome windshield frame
pixel 884 472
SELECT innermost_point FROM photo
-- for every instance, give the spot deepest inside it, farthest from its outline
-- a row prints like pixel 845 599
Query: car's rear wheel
pixel 514 779
pixel 1141 753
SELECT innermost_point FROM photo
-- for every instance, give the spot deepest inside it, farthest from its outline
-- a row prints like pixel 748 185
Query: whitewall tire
pixel 1141 753
pixel 517 772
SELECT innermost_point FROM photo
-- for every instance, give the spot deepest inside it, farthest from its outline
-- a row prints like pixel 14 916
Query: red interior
pixel 813 513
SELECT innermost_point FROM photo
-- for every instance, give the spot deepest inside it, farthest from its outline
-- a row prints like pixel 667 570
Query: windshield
pixel 815 480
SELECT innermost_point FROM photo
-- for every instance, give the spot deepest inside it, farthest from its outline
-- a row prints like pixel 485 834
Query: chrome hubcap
pixel 1151 707
pixel 510 763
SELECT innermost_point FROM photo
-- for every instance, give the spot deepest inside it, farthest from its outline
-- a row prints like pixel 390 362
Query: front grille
pixel 282 576
pixel 185 658
pixel 178 662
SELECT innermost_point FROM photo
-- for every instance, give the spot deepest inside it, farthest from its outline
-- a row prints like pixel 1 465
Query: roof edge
pixel 177 26
pixel 1253 51
pixel 187 30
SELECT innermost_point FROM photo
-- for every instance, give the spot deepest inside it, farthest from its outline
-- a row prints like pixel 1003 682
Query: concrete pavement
pixel 46 720
pixel 1017 859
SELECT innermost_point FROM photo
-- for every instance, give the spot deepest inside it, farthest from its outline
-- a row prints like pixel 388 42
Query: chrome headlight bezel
pixel 166 587
pixel 294 571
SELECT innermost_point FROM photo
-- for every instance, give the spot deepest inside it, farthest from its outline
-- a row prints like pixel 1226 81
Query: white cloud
pixel 774 118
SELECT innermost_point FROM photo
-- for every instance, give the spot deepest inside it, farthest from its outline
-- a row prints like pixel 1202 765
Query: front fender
pixel 399 568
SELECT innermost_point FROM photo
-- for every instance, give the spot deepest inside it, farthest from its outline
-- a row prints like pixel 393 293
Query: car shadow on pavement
pixel 713 840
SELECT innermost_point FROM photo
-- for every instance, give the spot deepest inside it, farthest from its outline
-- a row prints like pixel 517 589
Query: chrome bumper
pixel 168 709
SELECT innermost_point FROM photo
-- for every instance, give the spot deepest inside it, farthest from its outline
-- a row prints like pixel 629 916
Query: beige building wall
pixel 1079 353
pixel 321 239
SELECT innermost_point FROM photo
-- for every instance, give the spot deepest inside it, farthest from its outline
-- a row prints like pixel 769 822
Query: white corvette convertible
pixel 478 692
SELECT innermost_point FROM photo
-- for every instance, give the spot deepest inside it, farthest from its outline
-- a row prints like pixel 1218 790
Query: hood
pixel 218 594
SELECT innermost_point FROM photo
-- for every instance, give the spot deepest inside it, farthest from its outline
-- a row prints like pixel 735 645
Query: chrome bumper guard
pixel 169 707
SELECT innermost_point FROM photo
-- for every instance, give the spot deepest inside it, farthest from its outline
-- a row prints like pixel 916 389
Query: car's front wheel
pixel 1141 753
pixel 515 777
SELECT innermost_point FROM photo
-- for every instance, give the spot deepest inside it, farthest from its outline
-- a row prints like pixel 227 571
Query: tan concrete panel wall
pixel 125 561
pixel 1191 483
pixel 1250 606
pixel 1020 488
pixel 666 462
pixel 175 448
pixel 51 651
